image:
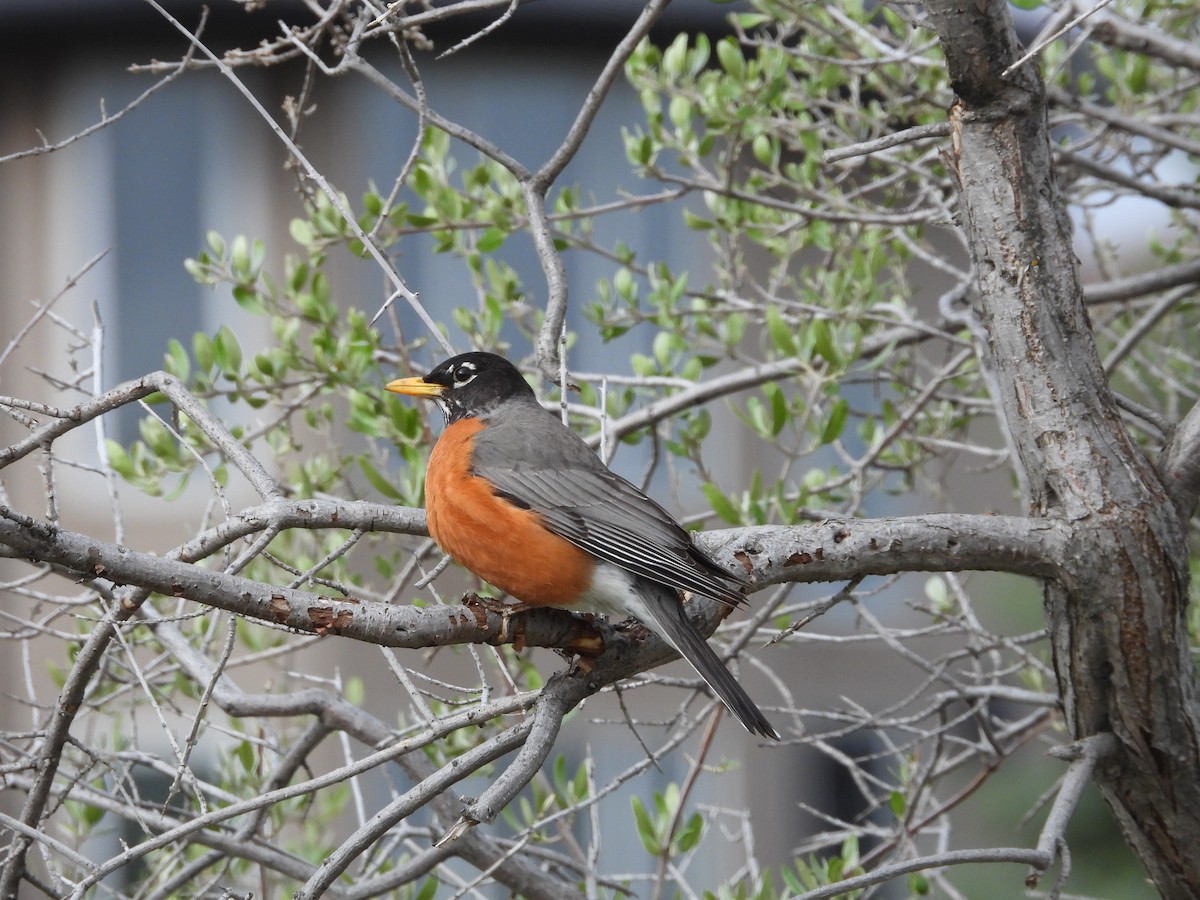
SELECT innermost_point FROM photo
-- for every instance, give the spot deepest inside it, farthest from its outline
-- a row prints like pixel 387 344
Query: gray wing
pixel 598 510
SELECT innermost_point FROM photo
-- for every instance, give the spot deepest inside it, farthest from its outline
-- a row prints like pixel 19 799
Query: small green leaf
pixel 779 408
pixel 202 350
pixel 624 284
pixel 645 827
pixel 690 835
pixel 216 244
pixel 227 352
pixel 118 459
pixel 720 504
pixel 490 240
pixel 301 232
pixel 780 331
pixel 822 337
pixel 918 884
pixel 378 481
pixel 675 56
pixel 239 256
pixel 751 20
pixel 245 755
pixel 764 150
pixel 836 421
pixel 249 300
pixel 792 881
pixel 680 111
pixel 176 360
pixel 730 56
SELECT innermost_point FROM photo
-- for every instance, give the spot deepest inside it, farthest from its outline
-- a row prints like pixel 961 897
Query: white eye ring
pixel 464 374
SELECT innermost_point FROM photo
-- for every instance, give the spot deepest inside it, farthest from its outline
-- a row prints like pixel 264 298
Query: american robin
pixel 521 501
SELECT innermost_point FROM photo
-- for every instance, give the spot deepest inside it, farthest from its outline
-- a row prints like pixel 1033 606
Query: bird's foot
pixel 633 627
pixel 506 611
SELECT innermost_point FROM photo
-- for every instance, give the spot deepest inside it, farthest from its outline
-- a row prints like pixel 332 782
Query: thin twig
pixel 335 198
pixel 1043 43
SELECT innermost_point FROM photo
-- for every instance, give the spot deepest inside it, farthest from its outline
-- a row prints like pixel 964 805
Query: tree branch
pixel 1137 38
pixel 1180 463
pixel 1134 286
pixel 838 550
pixel 1052 841
pixel 409 802
pixel 377 623
pixel 156 382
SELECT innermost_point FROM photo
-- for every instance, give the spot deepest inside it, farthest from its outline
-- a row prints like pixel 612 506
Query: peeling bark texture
pixel 1117 613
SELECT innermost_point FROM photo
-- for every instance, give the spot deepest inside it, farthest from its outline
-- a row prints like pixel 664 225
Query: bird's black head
pixel 470 384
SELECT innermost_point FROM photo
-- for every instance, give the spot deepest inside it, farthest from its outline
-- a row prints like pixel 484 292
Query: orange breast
pixel 505 546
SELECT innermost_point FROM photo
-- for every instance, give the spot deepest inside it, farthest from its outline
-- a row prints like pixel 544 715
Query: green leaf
pixel 680 111
pixel 490 240
pixel 720 504
pixel 779 408
pixel 245 755
pixel 216 244
pixel 624 284
pixel 645 827
pixel 792 881
pixel 227 352
pixel 176 360
pixel 118 459
pixel 898 804
pixel 675 56
pixel 202 350
pixel 301 232
pixel 751 20
pixel 249 300
pixel 239 256
pixel 780 331
pixel 690 835
pixel 764 150
pixel 729 53
pixel 822 338
pixel 836 422
pixel 378 481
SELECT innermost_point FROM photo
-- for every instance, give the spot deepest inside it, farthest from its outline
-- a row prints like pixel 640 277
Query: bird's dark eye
pixel 464 373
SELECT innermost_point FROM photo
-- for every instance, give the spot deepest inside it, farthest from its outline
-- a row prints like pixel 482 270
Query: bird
pixel 520 500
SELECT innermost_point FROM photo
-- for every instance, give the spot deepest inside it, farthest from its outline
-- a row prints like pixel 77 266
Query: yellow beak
pixel 415 387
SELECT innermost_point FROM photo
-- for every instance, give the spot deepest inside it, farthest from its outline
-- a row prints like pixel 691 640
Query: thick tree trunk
pixel 1117 618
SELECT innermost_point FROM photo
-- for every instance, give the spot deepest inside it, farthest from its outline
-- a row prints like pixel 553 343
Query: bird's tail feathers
pixel 669 618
